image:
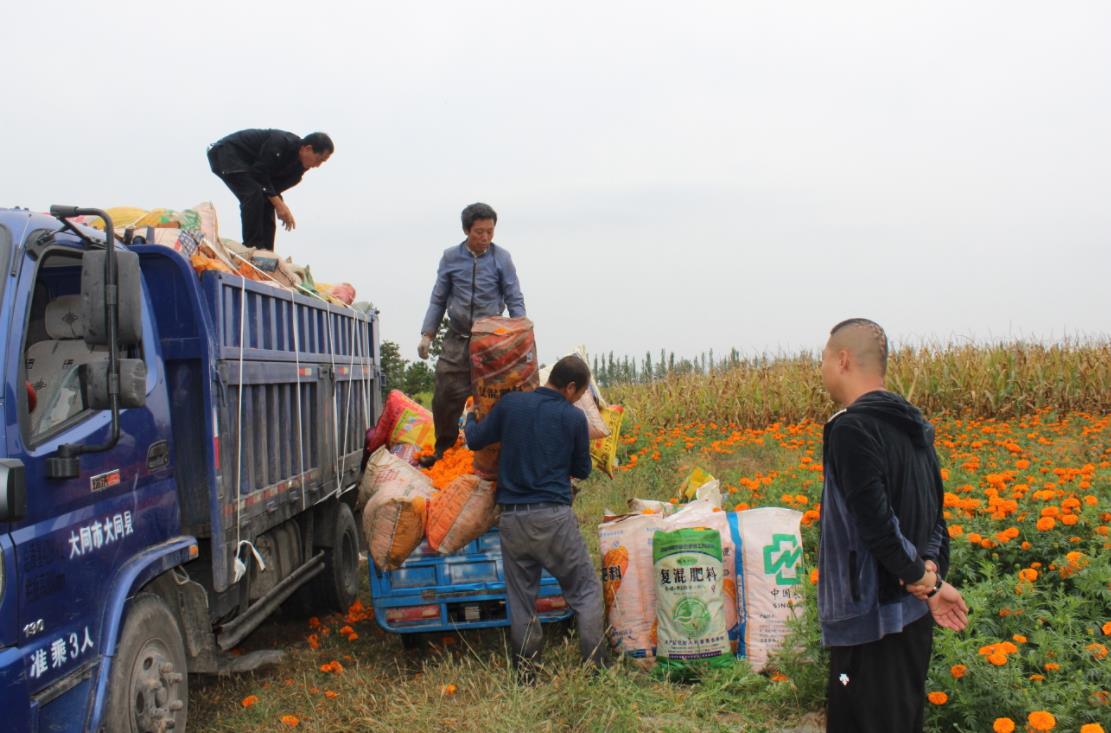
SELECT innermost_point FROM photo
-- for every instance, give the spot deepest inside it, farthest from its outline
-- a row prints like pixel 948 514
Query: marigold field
pixel 1028 503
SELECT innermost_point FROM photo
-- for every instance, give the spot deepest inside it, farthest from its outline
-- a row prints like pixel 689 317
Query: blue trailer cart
pixel 432 592
pixel 178 460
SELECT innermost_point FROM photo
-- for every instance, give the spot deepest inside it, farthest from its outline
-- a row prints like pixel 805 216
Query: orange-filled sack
pixel 503 360
pixel 394 516
pixel 461 513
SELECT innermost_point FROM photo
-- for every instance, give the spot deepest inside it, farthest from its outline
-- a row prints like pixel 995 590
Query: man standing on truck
pixel 884 548
pixel 544 442
pixel 476 278
pixel 258 165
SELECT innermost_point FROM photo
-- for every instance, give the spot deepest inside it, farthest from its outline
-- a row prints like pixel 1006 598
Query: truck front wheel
pixel 147 692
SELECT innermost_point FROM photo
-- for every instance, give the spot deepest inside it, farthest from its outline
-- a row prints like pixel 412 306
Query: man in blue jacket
pixel 884 546
pixel 476 278
pixel 258 165
pixel 544 443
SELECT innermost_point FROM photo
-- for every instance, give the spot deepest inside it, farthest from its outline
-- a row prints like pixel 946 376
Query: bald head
pixel 865 341
pixel 854 360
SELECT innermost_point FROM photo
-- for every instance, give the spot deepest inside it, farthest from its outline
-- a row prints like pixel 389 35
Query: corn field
pixel 1002 381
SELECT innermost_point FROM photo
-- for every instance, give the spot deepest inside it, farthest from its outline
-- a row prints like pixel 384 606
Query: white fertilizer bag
pixel 770 546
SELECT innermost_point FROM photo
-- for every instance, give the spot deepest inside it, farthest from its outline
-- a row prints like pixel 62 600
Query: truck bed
pixel 433 592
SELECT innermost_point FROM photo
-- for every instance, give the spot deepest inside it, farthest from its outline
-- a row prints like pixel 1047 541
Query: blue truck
pixel 179 458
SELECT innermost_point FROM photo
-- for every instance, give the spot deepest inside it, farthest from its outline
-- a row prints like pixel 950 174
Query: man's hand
pixel 425 345
pixel 284 214
pixel 926 583
pixel 948 608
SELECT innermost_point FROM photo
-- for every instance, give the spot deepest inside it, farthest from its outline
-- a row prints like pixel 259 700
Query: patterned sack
pixel 503 360
pixel 628 588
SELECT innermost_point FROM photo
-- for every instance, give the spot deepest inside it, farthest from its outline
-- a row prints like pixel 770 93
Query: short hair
pixel 570 369
pixel 869 346
pixel 474 212
pixel 319 142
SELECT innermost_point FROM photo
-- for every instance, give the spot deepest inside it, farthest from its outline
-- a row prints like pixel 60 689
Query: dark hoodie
pixel 881 518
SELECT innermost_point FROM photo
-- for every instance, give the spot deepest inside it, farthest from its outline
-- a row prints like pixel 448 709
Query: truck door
pixel 77 533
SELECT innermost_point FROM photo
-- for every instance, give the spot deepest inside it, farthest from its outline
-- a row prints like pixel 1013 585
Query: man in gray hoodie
pixel 884 546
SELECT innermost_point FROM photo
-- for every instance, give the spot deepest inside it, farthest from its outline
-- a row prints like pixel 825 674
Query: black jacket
pixel 882 504
pixel 268 156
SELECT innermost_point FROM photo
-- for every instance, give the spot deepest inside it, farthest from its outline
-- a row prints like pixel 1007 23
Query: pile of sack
pixel 194 233
pixel 452 503
pixel 693 587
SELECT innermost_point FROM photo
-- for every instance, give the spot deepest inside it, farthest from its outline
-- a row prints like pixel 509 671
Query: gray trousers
pixel 549 538
pixel 453 386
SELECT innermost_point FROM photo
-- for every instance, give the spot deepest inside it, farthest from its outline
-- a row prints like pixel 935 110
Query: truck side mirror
pixel 128 292
pixel 13 490
pixel 133 384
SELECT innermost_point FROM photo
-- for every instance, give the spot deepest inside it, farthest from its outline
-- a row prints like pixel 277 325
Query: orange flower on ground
pixel 958 671
pixel 1107 628
pixel 1041 720
pixel 331 694
pixel 314 641
pixel 333 666
pixel 1091 728
pixel 1028 574
pixel 1097 650
pixel 1003 725
pixel 779 677
pixel 291 720
pixel 1046 523
pixel 448 689
pixel 998 659
pixel 1019 638
pixel 249 701
pixel 814 579
pixel 937 698
pixel 1052 667
pixel 313 622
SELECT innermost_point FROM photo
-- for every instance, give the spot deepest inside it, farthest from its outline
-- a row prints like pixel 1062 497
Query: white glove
pixel 425 344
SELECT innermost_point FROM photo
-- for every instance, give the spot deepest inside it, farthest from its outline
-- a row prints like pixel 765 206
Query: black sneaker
pixel 429 461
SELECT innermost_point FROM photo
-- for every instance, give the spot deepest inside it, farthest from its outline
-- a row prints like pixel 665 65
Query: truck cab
pixel 179 454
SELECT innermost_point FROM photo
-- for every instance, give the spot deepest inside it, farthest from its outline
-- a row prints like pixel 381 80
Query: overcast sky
pixel 685 176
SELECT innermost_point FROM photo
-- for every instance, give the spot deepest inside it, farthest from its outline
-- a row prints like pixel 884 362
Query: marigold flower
pixel 1019 638
pixel 249 701
pixel 1052 666
pixel 1041 720
pixel 814 578
pixel 1097 650
pixel 1107 628
pixel 448 689
pixel 1028 574
pixel 958 671
pixel 331 694
pixel 291 720
pixel 1037 678
pixel 997 658
pixel 1091 728
pixel 1046 523
pixel 937 698
pixel 1003 725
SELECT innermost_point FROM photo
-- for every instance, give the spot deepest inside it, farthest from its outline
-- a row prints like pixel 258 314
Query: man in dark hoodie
pixel 884 546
